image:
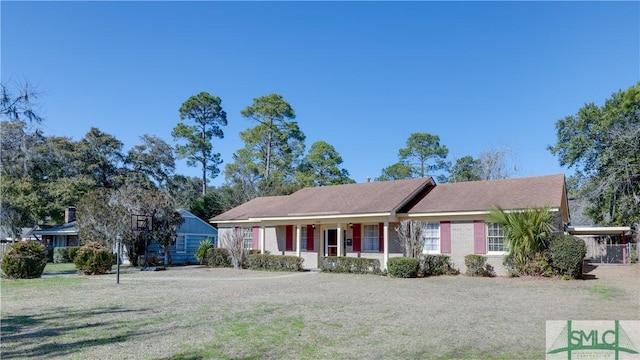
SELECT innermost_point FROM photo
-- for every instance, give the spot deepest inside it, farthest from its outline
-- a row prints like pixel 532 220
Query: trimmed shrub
pixel 567 255
pixel 65 254
pixel 475 265
pixel 403 267
pixel 434 265
pixel 201 251
pixel 60 255
pixel 274 262
pixel 94 259
pixel 351 265
pixel 72 252
pixel 25 260
pixel 217 257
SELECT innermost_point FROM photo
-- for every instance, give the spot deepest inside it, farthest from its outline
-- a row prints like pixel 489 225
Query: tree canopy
pixel 602 143
pixel 321 166
pixel 423 156
pixel 206 117
pixel 276 136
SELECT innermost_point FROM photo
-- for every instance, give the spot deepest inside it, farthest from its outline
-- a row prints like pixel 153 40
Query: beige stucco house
pixel 359 219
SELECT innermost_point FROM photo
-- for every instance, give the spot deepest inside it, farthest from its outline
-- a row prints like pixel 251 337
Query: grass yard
pixel 197 313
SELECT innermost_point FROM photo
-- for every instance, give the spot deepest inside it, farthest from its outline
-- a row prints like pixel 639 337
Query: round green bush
pixel 475 265
pixel 25 260
pixel 60 255
pixel 94 259
pixel 403 267
pixel 72 252
pixel 218 257
pixel 567 255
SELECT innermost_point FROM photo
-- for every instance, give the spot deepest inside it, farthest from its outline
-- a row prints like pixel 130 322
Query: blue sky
pixel 362 76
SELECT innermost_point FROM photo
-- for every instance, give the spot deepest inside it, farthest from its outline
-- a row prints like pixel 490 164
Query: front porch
pixel 311 242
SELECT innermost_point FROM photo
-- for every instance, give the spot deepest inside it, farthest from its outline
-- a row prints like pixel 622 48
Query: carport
pixel 605 244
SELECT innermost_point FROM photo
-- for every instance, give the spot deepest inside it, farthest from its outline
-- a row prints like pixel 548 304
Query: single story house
pixel 189 235
pixel 192 231
pixel 61 235
pixel 359 219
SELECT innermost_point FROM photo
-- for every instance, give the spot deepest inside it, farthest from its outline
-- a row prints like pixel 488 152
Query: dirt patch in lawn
pixel 199 313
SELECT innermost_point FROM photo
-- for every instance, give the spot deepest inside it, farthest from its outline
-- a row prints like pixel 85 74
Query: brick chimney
pixel 70 214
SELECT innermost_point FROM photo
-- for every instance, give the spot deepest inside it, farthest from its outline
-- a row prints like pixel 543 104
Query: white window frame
pixel 184 244
pixel 431 235
pixel 303 238
pixel 247 238
pixel 495 239
pixel 371 238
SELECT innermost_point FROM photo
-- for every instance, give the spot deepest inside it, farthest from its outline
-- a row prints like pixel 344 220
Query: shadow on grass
pixel 586 269
pixel 44 335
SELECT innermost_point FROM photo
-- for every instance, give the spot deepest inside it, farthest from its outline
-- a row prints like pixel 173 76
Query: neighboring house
pixel 359 219
pixel 61 235
pixel 191 232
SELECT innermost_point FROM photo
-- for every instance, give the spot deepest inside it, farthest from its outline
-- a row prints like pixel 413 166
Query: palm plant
pixel 525 231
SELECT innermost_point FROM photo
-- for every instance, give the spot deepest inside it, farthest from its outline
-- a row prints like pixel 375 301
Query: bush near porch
pixel 434 265
pixel 403 267
pixel 352 265
pixel 274 262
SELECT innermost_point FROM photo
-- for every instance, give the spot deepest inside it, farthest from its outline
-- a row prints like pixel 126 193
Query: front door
pixel 332 242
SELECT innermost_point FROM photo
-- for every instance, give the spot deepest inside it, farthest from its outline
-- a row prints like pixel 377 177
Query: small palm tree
pixel 525 231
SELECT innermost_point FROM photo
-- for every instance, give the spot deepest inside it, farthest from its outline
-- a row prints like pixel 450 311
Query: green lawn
pixel 64 268
pixel 198 313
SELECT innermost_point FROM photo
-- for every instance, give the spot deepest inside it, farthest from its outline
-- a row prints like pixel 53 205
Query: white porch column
pixel 262 235
pixel 386 243
pixel 298 240
pixel 339 239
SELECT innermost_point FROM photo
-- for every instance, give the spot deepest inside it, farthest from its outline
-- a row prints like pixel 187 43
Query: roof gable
pixel 194 225
pixel 362 198
pixel 517 193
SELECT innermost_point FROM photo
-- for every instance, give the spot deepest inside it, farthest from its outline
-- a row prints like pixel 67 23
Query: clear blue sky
pixel 362 76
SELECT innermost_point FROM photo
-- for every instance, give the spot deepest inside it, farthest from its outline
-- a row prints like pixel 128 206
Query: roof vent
pixel 368 178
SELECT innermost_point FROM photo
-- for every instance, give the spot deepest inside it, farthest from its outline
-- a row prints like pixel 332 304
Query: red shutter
pixel 381 237
pixel 289 238
pixel 310 240
pixel 479 238
pixel 357 237
pixel 255 237
pixel 445 237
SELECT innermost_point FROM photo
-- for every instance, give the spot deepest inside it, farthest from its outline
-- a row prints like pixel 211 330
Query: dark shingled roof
pixel 519 193
pixel 362 198
pixel 413 196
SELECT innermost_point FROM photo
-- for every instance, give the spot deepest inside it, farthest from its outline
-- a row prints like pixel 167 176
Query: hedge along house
pixel 359 219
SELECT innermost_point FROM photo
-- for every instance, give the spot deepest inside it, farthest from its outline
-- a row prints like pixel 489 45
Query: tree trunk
pixel 268 166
